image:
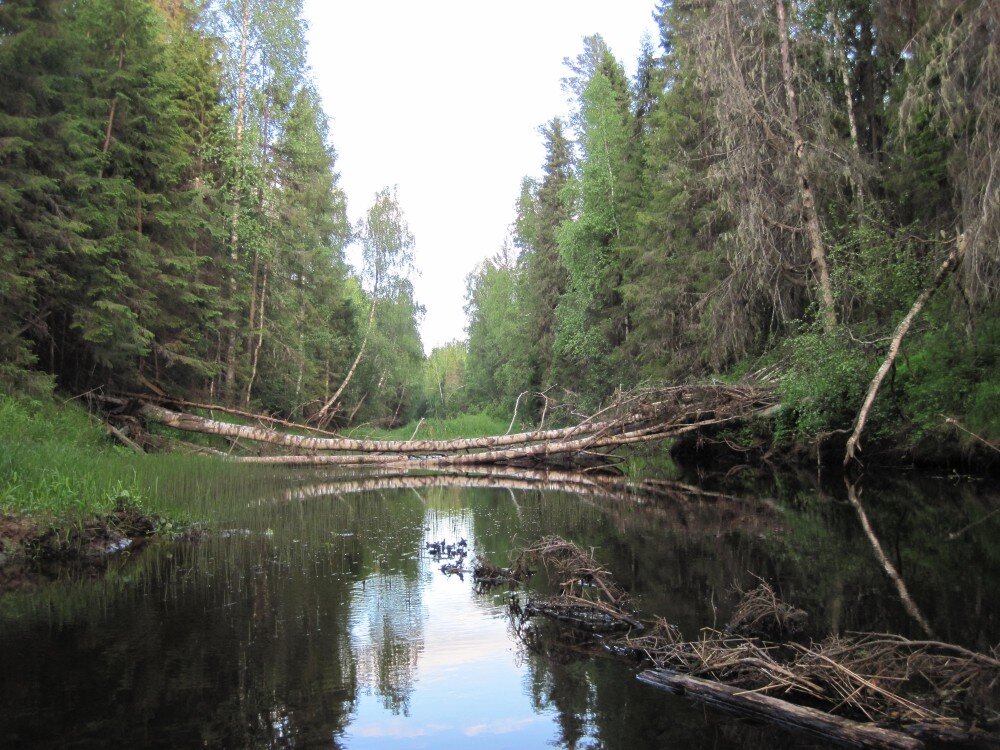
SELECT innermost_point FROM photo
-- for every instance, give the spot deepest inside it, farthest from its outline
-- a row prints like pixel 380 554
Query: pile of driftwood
pixel 637 416
pixel 868 689
pixel 761 613
pixel 488 575
pixel 588 595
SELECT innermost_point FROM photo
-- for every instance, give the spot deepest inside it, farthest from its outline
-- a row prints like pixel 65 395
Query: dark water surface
pixel 314 617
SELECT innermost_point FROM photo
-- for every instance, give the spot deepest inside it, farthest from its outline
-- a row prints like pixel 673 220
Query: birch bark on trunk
pixel 234 256
pixel 951 263
pixel 324 415
pixel 695 405
pixel 255 355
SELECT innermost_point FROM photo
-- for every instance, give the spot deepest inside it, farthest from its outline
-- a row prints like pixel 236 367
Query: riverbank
pixel 68 491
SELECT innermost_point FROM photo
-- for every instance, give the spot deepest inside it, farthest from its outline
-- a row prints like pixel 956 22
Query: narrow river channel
pixel 313 614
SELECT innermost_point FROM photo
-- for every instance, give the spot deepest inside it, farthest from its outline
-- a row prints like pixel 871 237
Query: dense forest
pixel 172 218
pixel 770 193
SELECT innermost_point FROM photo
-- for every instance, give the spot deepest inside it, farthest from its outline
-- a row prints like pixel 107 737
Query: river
pixel 314 616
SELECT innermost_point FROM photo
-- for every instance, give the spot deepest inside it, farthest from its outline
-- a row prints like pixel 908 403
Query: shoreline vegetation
pixel 805 196
pixel 68 491
pixel 68 486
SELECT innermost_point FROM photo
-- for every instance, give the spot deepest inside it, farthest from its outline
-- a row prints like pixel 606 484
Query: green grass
pixel 54 461
pixel 58 463
pixel 462 426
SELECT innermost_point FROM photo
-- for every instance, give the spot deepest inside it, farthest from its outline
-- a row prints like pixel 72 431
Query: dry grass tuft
pixel 762 614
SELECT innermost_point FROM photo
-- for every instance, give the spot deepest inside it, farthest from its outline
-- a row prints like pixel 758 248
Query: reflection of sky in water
pixel 459 670
pixel 319 620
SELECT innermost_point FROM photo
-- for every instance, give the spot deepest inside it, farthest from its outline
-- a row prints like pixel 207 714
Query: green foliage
pixel 60 466
pixel 825 381
pixel 497 368
pixel 170 208
pixel 56 462
pixel 875 273
pixel 591 316
pixel 683 242
pixel 946 372
pixel 469 424
pixel 391 377
pixel 542 280
pixel 444 380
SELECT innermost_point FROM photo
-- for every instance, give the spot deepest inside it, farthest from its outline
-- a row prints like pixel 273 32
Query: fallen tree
pixel 775 710
pixel 922 689
pixel 640 416
pixel 950 264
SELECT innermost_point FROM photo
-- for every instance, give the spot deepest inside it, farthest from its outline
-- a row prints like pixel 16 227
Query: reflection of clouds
pixel 502 726
pixel 466 651
pixel 397 729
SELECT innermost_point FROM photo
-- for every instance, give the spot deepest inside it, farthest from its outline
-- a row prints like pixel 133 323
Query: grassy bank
pixel 68 490
pixel 475 424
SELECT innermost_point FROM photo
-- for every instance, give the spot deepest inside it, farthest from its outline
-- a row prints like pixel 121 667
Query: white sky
pixel 443 98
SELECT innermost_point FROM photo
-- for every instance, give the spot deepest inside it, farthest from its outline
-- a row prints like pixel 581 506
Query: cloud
pixel 398 729
pixel 501 726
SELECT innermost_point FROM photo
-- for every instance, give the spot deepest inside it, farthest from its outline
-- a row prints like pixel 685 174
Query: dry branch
pixel 124 439
pixel 761 613
pixel 869 677
pixel 952 262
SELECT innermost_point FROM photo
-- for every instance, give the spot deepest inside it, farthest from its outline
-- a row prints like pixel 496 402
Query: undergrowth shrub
pixel 824 383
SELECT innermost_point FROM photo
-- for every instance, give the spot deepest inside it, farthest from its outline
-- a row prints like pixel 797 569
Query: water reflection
pixel 319 619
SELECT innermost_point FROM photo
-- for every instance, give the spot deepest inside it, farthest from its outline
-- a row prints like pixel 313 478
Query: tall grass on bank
pixel 57 461
pixel 54 461
pixel 477 424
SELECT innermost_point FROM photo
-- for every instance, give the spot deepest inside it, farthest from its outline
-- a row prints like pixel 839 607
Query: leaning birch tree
pixel 387 255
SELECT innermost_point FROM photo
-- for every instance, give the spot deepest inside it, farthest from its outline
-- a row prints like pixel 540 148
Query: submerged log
pixel 776 711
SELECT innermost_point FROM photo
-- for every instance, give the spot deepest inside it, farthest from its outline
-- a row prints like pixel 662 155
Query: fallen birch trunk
pixel 238 413
pixel 194 423
pixel 776 711
pixel 674 411
pixel 530 451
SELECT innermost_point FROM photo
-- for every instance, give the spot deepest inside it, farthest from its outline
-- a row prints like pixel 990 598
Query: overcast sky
pixel 443 98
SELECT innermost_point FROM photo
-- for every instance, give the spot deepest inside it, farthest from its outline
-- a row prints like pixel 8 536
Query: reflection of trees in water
pixel 215 666
pixel 388 639
pixel 247 641
pixel 566 689
pixel 388 607
pixel 235 642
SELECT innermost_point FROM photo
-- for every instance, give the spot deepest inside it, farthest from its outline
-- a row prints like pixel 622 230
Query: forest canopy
pixel 769 192
pixel 171 211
